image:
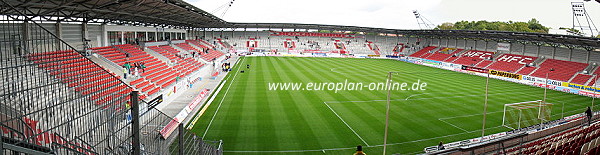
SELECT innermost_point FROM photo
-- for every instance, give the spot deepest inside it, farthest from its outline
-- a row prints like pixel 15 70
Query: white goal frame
pixel 526 105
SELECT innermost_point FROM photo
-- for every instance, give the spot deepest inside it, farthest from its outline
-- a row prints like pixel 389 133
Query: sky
pixel 396 14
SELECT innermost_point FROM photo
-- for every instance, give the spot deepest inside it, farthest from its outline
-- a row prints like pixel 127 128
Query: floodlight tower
pixel 582 20
pixel 423 22
pixel 225 7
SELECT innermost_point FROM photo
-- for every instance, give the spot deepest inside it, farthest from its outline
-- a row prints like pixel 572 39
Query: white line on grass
pixel 223 99
pixel 436 137
pixel 408 98
pixel 397 99
pixel 346 124
pixel 350 148
pixel 469 115
pixel 413 95
pixel 453 125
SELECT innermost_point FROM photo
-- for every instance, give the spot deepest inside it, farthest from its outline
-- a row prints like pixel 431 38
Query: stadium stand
pixel 185 62
pixel 198 43
pixel 511 62
pixel 206 43
pixel 473 57
pixel 423 52
pixel 83 75
pixel 157 75
pixel 484 63
pixel 187 47
pixel 594 79
pixel 559 69
pixel 572 141
pixel 444 53
pixel 527 70
pixel 210 55
pixel 581 79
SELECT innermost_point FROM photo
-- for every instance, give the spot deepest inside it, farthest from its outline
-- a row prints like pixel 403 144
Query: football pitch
pixel 252 119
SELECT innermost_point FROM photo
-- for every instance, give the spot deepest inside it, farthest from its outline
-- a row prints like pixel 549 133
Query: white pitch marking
pixel 220 103
pixel 453 125
pixel 346 124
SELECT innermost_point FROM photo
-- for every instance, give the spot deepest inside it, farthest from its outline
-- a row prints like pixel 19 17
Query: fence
pixel 55 100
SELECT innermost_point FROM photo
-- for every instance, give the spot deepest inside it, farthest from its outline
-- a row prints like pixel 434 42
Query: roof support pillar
pixel 455 42
pixel 554 52
pixel 26 35
pixel 510 48
pixel 587 58
pixel 84 31
pixel 59 32
pixel 570 53
pixel 537 54
pixel 486 45
pixel 524 48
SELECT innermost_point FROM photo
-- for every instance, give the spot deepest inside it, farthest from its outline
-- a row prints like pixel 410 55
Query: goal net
pixel 524 114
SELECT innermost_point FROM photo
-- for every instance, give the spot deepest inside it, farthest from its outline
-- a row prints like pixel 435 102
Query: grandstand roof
pixel 568 40
pixel 175 13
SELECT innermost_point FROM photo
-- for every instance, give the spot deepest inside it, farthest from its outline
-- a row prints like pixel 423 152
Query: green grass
pixel 252 118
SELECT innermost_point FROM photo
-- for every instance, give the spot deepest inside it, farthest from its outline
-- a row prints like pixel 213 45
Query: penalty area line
pixel 346 124
pixel 453 125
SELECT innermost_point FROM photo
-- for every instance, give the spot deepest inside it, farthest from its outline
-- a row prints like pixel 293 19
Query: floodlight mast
pixel 225 7
pixel 423 22
pixel 387 111
pixel 485 105
pixel 582 20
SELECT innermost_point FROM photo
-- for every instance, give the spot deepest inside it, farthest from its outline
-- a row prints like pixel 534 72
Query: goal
pixel 524 114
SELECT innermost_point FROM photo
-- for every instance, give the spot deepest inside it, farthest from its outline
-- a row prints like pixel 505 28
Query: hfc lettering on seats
pixel 481 55
pixel 520 60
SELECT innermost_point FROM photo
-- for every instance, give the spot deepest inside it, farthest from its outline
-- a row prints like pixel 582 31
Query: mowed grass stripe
pixel 330 94
pixel 297 107
pixel 363 117
pixel 225 121
pixel 282 127
pixel 415 123
pixel 269 118
pixel 366 112
pixel 339 135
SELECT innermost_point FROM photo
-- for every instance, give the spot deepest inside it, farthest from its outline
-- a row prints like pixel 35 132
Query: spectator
pixel 136 72
pixel 359 151
pixel 441 146
pixel 127 66
pixel 589 114
pixel 143 67
pixel 124 73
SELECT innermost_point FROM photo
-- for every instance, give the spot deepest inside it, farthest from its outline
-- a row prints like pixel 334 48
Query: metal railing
pixel 55 100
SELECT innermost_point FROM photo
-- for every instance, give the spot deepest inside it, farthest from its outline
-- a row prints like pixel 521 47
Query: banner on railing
pixel 169 128
pixel 312 34
pixel 474 69
pixel 505 74
pixel 512 77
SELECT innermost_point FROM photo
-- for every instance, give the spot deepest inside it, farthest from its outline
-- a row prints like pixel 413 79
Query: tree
pixel 445 26
pixel 532 25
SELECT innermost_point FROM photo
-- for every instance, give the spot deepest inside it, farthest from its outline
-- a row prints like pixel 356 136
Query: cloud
pixel 395 14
